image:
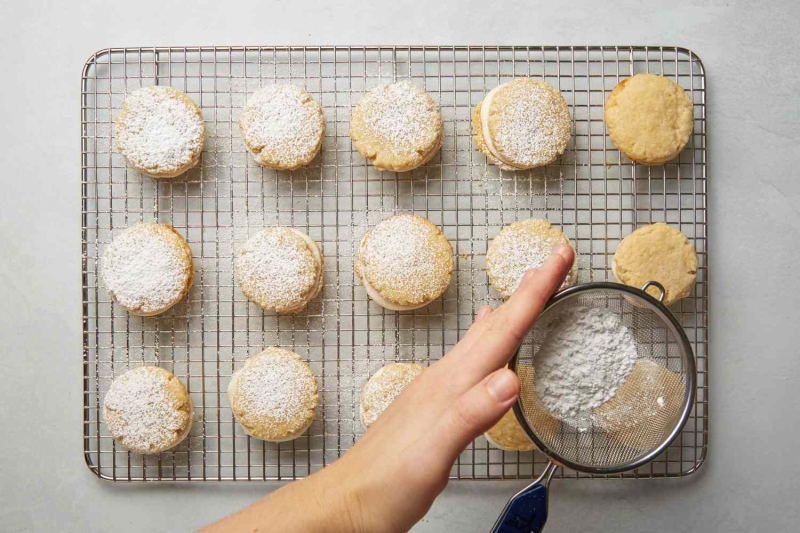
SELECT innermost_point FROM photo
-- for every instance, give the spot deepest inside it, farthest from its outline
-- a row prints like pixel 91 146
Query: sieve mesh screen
pixel 646 409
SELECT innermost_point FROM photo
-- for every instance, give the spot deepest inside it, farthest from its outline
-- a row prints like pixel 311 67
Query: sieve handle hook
pixel 658 286
pixel 526 511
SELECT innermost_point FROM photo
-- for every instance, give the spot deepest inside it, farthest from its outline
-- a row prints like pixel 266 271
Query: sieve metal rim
pixel 690 372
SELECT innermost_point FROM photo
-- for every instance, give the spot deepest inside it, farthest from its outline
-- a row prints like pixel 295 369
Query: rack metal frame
pixel 593 192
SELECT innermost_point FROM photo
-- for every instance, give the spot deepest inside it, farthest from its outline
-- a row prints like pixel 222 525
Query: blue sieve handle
pixel 524 513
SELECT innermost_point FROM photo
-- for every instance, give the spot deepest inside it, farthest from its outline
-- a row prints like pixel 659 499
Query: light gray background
pixel 751 480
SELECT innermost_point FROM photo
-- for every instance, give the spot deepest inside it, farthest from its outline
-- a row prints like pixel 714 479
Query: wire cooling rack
pixel 595 194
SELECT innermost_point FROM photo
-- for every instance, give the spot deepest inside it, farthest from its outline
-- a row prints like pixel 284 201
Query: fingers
pixel 472 414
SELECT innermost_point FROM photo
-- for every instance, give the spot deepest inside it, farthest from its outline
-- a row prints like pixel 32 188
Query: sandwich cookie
pixel 522 124
pixel 148 410
pixel 282 127
pixel 405 262
pixel 160 131
pixel 649 118
pixel 519 247
pixel 148 268
pixel 397 127
pixel 280 269
pixel 274 396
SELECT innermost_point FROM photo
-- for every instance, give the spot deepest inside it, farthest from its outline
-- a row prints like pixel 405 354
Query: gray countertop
pixel 750 53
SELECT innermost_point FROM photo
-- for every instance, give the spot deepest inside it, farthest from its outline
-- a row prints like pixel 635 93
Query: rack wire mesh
pixel 593 192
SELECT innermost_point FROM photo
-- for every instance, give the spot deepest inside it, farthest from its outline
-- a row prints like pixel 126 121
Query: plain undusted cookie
pixel 661 253
pixel 148 410
pixel 405 262
pixel 280 269
pixel 522 124
pixel 282 126
pixel 398 127
pixel 274 396
pixel 148 268
pixel 649 118
pixel 383 387
pixel 644 407
pixel 160 131
pixel 520 246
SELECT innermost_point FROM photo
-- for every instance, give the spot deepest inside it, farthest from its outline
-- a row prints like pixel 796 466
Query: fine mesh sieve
pixel 639 422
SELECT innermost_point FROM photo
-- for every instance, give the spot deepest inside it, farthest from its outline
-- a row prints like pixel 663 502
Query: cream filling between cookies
pixel 383 302
pixel 487 136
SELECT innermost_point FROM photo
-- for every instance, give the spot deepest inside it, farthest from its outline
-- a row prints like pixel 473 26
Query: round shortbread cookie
pixel 160 131
pixel 519 247
pixel 383 387
pixel 649 118
pixel 657 252
pixel 643 407
pixel 405 262
pixel 522 124
pixel 148 410
pixel 274 396
pixel 397 127
pixel 148 268
pixel 282 126
pixel 280 269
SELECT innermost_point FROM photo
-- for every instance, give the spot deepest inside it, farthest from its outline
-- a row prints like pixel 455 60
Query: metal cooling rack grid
pixel 593 192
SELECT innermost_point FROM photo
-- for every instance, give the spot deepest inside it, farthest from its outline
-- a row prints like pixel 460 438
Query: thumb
pixel 476 411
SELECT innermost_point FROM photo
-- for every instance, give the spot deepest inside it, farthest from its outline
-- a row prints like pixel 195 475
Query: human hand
pixel 391 476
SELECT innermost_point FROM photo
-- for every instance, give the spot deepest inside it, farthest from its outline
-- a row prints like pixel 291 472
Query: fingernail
pixel 503 386
pixel 564 250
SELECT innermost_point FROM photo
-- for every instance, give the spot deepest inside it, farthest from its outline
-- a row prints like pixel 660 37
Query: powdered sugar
pixel 147 268
pixel 142 413
pixel 282 126
pixel 586 355
pixel 159 131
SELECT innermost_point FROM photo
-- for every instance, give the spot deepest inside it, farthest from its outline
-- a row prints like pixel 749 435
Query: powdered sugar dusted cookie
pixel 405 262
pixel 148 410
pixel 282 126
pixel 519 247
pixel 280 269
pixel 160 131
pixel 522 124
pixel 398 127
pixel 148 268
pixel 274 396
